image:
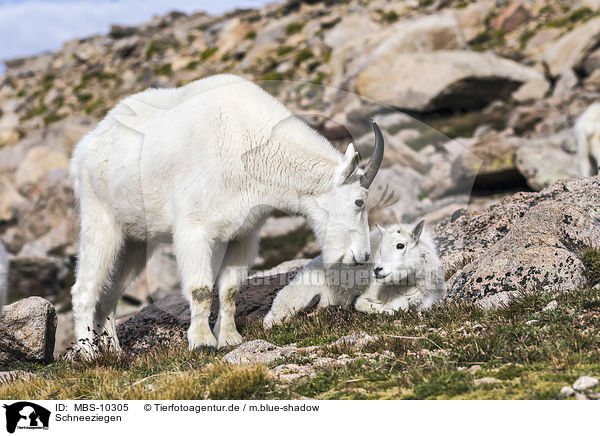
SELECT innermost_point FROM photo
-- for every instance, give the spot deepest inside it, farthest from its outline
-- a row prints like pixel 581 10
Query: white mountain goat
pixel 3 276
pixel 203 165
pixel 407 273
pixel 587 138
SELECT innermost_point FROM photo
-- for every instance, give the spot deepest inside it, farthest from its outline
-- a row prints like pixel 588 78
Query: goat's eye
pixel 359 203
pixel 400 246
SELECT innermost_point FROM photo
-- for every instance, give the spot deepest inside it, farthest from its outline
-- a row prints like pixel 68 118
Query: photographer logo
pixel 26 416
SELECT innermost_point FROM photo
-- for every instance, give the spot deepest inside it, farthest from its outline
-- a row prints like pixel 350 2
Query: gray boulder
pixel 27 331
pixel 447 79
pixel 530 241
pixel 545 160
pixel 571 50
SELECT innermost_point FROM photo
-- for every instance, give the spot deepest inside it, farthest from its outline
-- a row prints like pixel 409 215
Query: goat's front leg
pixel 193 250
pixel 234 270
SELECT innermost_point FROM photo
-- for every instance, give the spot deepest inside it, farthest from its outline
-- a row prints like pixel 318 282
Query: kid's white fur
pixel 203 165
pixel 587 138
pixel 410 276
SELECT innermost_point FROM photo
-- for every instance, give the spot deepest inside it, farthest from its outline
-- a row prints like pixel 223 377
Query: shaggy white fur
pixel 407 272
pixel 587 137
pixel 203 165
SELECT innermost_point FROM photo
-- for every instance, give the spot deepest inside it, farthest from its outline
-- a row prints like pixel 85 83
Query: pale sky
pixel 29 27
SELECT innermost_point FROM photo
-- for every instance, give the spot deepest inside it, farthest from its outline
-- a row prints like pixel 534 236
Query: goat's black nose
pixel 367 256
pixel 377 270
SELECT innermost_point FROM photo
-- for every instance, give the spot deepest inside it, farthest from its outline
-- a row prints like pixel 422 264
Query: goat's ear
pixel 416 233
pixel 380 228
pixel 350 165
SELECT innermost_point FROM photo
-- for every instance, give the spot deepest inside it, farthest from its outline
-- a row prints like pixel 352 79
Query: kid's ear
pixel 380 228
pixel 416 233
pixel 350 165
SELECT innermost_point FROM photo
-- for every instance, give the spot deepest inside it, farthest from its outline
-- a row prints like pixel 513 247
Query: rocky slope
pixel 476 100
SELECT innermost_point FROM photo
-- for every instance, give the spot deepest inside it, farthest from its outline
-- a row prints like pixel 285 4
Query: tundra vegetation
pixel 529 348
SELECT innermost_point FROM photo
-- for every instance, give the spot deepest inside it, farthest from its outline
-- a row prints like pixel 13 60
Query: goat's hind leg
pixel 100 242
pixel 131 261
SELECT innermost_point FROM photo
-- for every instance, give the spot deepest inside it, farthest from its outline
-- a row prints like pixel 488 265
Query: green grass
pixel 207 53
pixel 432 352
pixel 251 34
pixel 303 55
pixel 273 75
pixel 293 27
pixel 591 261
pixel 164 70
pixel 578 15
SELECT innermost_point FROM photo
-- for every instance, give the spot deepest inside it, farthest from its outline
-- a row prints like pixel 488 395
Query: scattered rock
pixel 553 305
pixel 16 375
pixel 27 330
pixel 486 381
pixel 566 392
pixel 511 18
pixel 585 383
pixel 474 369
pixel 258 351
pixel 355 341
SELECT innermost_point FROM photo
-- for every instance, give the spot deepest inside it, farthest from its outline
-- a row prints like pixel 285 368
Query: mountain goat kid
pixel 407 273
pixel 203 166
pixel 587 138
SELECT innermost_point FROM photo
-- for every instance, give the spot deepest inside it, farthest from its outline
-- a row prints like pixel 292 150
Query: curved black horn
pixel 376 158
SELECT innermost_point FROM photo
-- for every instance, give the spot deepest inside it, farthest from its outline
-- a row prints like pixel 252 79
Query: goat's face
pixel 346 228
pixel 397 252
pixel 343 226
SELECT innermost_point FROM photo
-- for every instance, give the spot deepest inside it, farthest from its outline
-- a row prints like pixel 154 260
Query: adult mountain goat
pixel 587 138
pixel 203 165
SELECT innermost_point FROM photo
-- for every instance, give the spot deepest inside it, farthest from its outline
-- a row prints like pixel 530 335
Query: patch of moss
pixel 283 50
pixel 84 97
pixel 320 77
pixel 154 47
pixel 207 53
pixel 294 27
pixel 52 118
pixel 251 34
pixel 192 65
pixel 303 55
pixel 578 15
pixel 164 70
pixel 273 75
pixel 390 17
pixel 94 106
pixel 488 39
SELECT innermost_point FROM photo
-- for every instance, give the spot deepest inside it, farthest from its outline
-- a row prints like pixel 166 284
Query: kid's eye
pixel 400 246
pixel 359 203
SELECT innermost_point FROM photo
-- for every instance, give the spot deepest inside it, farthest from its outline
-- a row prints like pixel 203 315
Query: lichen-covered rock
pixel 27 331
pixel 530 241
pixel 258 351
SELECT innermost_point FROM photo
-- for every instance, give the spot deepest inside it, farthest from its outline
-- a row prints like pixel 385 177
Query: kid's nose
pixel 377 270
